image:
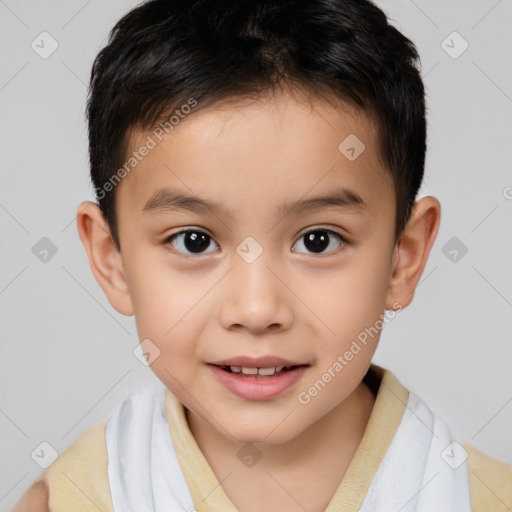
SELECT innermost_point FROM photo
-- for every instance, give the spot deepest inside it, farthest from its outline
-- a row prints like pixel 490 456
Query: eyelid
pixel 184 230
pixel 325 227
pixel 169 238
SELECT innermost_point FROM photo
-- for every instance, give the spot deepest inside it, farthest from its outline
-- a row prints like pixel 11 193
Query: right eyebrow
pixel 167 199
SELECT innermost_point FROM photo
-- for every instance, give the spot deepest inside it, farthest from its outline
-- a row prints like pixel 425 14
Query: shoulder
pixel 36 498
pixel 77 480
pixel 490 482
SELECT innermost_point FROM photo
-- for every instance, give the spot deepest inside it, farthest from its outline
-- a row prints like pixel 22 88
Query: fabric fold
pixel 422 470
pixel 143 470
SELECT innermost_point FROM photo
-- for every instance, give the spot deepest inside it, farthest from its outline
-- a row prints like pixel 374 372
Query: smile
pixel 257 371
pixel 257 383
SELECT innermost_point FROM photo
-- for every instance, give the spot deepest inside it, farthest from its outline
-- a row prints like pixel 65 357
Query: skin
pixel 35 499
pixel 290 302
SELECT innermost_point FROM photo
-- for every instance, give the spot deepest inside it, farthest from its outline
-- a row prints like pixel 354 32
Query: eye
pixel 195 241
pixel 319 239
pixel 192 240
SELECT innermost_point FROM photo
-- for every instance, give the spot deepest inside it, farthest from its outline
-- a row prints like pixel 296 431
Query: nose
pixel 255 297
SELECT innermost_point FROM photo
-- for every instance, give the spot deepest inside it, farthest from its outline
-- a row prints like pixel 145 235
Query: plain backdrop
pixel 66 356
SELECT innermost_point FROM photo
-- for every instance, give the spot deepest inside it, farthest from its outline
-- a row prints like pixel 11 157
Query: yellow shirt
pixel 78 478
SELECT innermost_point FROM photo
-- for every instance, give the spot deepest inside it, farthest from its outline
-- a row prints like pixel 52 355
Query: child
pixel 257 129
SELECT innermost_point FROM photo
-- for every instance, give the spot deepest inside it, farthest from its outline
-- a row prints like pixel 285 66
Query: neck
pixel 325 449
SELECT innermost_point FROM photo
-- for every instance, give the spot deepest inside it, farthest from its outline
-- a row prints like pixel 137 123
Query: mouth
pixel 257 383
pixel 244 371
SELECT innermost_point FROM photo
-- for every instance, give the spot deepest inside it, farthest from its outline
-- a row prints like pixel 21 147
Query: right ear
pixel 104 258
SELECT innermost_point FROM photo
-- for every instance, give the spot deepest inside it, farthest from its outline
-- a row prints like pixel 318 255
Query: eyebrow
pixel 166 199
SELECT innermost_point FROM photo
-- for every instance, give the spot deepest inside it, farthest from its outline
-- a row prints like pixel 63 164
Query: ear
pixel 412 251
pixel 104 258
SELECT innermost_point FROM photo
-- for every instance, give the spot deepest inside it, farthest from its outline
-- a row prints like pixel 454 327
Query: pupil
pixel 196 242
pixel 317 241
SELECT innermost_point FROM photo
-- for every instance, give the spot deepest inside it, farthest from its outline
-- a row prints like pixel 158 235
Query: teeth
pixel 249 371
pixel 254 371
pixel 266 371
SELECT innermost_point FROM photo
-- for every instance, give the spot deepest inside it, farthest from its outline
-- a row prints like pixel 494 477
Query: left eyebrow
pixel 343 198
pixel 167 199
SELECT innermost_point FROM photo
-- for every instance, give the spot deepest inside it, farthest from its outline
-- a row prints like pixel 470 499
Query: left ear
pixel 412 251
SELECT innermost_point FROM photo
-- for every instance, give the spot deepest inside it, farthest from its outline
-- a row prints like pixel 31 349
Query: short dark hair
pixel 165 52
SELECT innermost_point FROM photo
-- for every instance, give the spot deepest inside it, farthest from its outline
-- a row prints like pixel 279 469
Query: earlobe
pixel 412 251
pixel 104 258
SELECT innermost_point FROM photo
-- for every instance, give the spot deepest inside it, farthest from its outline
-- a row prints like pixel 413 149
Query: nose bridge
pixel 252 270
pixel 257 299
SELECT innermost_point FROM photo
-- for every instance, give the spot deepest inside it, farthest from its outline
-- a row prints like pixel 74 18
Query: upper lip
pixel 256 362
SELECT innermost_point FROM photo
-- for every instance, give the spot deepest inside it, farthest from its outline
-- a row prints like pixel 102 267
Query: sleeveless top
pixel 407 457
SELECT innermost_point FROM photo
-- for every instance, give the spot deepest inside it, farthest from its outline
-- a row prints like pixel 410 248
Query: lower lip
pixel 257 387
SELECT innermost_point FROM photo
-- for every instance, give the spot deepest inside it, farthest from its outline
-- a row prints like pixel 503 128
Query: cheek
pixel 165 303
pixel 353 298
pixel 369 283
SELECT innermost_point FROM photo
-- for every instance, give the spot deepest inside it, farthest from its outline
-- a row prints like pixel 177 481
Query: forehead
pixel 254 155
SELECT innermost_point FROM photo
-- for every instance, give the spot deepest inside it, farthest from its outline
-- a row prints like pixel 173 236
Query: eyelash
pixel 169 240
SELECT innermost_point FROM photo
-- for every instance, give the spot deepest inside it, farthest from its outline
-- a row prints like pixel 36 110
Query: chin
pixel 263 432
pixel 261 439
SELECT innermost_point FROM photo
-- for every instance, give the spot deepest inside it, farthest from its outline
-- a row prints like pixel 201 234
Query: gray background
pixel 67 356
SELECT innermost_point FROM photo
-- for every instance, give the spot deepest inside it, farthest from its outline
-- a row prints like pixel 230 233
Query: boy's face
pixel 247 281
